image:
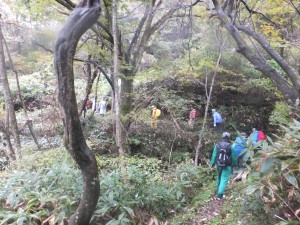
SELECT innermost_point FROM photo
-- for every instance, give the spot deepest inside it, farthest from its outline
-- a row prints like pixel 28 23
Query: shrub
pixel 276 174
pixel 50 189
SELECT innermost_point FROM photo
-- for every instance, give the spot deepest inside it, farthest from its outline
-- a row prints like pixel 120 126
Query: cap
pixel 225 134
pixel 243 134
pixel 213 110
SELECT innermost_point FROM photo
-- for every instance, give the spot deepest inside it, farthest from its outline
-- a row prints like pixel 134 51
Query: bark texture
pixel 80 20
pixel 117 102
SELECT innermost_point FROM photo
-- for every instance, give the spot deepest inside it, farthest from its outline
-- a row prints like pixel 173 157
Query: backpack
pixel 261 136
pixel 223 154
pixel 158 112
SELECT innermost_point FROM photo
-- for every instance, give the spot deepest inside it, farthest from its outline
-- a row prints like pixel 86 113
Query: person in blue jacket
pixel 254 135
pixel 223 170
pixel 240 146
pixel 216 117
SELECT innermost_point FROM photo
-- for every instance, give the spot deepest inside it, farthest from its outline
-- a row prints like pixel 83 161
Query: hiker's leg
pixel 155 123
pixel 219 174
pixel 225 176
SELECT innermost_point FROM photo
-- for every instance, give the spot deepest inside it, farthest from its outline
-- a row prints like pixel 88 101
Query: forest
pixel 149 112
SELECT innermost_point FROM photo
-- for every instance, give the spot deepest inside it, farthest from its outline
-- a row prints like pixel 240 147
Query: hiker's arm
pixel 215 119
pixel 213 157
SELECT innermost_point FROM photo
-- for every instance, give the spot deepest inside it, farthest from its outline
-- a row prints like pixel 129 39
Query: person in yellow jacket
pixel 155 114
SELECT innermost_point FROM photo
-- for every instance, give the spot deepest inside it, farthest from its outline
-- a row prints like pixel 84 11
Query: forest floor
pixel 208 212
pixel 217 212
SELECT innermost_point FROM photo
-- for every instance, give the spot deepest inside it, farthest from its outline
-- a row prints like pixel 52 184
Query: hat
pixel 153 106
pixel 225 134
pixel 213 110
pixel 243 134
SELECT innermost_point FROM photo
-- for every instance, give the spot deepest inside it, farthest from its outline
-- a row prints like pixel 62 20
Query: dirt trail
pixel 208 212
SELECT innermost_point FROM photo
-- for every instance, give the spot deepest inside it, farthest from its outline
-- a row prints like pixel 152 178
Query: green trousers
pixel 223 178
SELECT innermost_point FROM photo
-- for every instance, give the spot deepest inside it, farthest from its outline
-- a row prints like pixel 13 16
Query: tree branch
pixel 65 4
pixel 251 11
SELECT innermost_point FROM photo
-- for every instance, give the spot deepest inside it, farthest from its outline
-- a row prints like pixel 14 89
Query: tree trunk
pixel 199 145
pixel 28 121
pixel 126 92
pixel 91 76
pixel 290 92
pixel 275 55
pixel 117 104
pixel 9 106
pixel 80 20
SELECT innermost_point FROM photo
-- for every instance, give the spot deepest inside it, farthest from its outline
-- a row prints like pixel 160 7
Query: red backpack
pixel 261 136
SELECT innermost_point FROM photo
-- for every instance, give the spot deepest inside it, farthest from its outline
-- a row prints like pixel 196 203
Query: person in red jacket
pixel 193 116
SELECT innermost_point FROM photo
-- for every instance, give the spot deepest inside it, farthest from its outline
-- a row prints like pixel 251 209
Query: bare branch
pixel 65 4
pixel 251 11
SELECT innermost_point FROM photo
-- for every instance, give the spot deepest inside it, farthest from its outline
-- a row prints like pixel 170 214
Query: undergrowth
pixel 47 188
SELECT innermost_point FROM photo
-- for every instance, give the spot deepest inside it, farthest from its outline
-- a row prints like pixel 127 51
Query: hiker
pixel 217 117
pixel 155 114
pixel 94 104
pixel 223 158
pixel 193 116
pixel 254 135
pixel 239 148
pixel 258 136
pixel 102 106
pixel 88 104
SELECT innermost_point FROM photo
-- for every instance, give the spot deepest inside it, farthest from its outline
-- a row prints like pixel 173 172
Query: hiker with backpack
pixel 223 158
pixel 256 137
pixel 155 114
pixel 239 147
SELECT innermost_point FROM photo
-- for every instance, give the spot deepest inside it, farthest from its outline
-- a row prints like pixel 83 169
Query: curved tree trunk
pixel 80 20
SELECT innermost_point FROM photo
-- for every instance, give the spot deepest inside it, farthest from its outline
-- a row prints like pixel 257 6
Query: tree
pixel 115 78
pixel 288 85
pixel 208 96
pixel 80 20
pixel 131 47
pixel 11 121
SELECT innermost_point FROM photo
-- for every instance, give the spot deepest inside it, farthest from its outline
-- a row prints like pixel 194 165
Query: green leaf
pixel 126 220
pixel 268 165
pixel 121 216
pixel 251 189
pixel 288 223
pixel 291 179
pixel 21 220
pixel 113 222
pixel 102 210
pixel 129 210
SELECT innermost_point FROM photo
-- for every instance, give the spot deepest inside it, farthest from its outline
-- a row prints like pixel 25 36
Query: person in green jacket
pixel 224 159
